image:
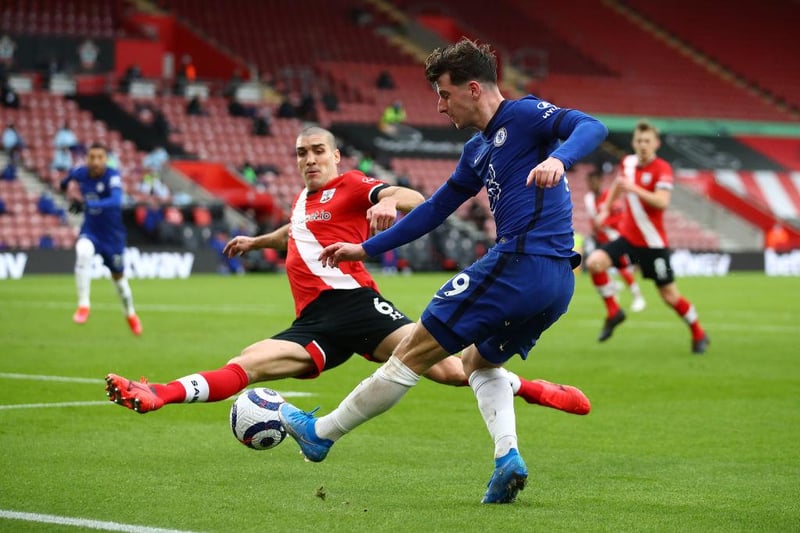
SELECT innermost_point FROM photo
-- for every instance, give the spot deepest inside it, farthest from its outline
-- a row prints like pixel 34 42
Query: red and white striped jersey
pixel 643 224
pixel 335 213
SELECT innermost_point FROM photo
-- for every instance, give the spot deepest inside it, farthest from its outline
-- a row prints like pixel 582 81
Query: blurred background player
pixel 103 231
pixel 646 183
pixel 339 311
pixel 518 157
pixel 606 232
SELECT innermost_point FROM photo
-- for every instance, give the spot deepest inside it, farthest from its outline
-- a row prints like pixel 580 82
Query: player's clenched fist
pixel 546 174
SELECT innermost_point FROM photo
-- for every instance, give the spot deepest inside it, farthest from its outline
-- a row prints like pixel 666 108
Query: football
pixel 254 419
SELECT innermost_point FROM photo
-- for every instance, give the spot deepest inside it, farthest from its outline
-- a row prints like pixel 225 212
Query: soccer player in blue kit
pixel 102 232
pixel 501 304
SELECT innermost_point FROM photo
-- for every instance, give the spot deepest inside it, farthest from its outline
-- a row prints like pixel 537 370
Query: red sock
pixel 686 311
pixel 209 386
pixel 606 289
pixel 627 275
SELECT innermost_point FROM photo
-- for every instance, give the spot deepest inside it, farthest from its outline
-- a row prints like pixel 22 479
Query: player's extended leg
pixel 126 297
pixel 84 255
pixel 373 396
pixel 265 360
pixel 687 312
pixel 598 264
pixel 450 371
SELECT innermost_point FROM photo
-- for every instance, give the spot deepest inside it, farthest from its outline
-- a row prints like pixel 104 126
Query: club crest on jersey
pixel 327 195
pixel 647 178
pixel 500 137
pixel 100 187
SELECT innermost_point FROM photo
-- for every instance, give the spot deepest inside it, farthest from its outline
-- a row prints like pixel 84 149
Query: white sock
pixel 125 295
pixel 515 380
pixel 84 255
pixel 373 396
pixel 690 317
pixel 635 290
pixel 496 404
pixel 196 388
pixel 609 289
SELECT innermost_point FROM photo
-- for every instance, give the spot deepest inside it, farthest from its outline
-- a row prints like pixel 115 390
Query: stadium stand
pixel 343 46
pixel 654 78
pixel 85 18
pixel 22 225
pixel 746 57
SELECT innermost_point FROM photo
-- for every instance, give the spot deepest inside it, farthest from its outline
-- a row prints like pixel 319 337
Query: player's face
pixel 317 161
pixel 645 145
pixel 96 161
pixel 457 101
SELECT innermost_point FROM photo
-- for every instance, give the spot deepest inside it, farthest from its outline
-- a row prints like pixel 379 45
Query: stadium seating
pixel 513 33
pixel 22 226
pixel 772 48
pixel 324 30
pixel 220 137
pixel 39 119
pixel 37 122
pixel 654 79
pixel 85 18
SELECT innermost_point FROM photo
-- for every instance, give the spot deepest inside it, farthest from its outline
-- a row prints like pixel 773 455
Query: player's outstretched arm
pixel 335 253
pixel 241 244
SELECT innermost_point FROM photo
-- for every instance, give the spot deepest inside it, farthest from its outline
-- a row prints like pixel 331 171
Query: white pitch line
pixel 710 326
pixel 84 522
pixel 49 405
pixel 67 379
pixel 157 308
pixel 38 377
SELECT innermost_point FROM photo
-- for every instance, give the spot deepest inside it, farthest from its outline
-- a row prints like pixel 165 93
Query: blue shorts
pixel 112 253
pixel 501 303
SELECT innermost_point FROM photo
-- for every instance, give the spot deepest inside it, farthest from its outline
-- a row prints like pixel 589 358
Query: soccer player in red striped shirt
pixel 339 311
pixel 645 182
pixel 607 232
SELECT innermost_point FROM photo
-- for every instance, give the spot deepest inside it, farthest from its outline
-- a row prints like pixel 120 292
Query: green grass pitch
pixel 675 442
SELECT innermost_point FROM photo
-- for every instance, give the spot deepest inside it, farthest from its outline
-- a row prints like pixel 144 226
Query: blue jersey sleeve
pixel 422 219
pixel 582 133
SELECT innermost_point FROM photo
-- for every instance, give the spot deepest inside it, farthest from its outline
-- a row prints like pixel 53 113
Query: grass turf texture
pixel 675 442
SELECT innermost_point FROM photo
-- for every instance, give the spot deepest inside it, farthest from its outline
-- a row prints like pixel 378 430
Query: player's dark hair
pixel 465 61
pixel 98 145
pixel 644 125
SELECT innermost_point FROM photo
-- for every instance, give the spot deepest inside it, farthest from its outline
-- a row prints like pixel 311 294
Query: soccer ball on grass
pixel 254 419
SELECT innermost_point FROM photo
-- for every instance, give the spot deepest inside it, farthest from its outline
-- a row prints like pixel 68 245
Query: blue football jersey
pixel 103 207
pixel 529 220
pixel 522 134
